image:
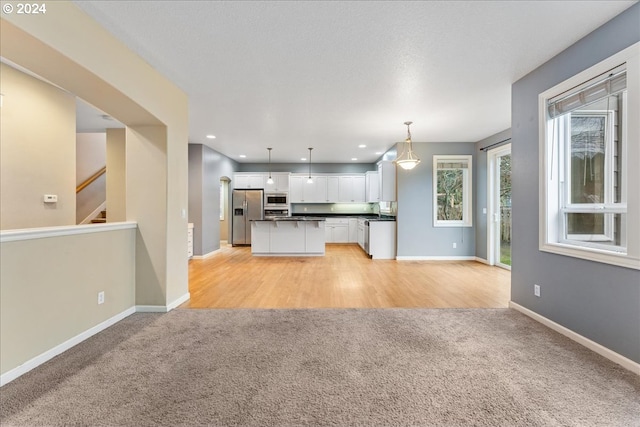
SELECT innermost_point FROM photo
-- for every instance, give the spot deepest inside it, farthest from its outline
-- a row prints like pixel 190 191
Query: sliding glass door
pixel 499 234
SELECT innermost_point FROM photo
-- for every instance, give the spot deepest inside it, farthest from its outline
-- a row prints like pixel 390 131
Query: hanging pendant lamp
pixel 310 181
pixel 407 160
pixel 269 180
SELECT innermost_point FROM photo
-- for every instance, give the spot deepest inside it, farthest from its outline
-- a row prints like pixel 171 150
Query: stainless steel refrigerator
pixel 247 205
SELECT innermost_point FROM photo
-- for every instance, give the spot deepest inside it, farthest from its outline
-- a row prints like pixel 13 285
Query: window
pixel 591 154
pixel 452 191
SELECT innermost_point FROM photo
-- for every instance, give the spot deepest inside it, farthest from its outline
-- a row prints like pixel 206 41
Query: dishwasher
pixel 366 237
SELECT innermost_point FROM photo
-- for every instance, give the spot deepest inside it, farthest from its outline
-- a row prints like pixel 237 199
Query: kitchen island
pixel 288 236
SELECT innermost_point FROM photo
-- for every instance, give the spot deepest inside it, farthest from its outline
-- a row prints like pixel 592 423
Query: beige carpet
pixel 486 367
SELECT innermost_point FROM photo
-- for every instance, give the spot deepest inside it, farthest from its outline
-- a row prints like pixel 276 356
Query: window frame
pixel 551 237
pixel 566 206
pixel 467 190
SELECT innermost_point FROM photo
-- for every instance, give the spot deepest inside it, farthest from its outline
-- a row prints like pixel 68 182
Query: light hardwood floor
pixel 344 277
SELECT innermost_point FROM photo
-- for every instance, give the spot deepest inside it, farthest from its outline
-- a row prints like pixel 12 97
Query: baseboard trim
pixel 482 260
pixel 206 255
pixel 436 258
pixel 163 308
pixel 184 298
pixel 60 348
pixel 591 345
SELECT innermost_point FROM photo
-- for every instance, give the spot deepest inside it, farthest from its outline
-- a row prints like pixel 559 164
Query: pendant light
pixel 407 160
pixel 269 180
pixel 310 181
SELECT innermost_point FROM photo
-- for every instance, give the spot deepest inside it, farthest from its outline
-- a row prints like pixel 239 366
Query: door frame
pixel 493 179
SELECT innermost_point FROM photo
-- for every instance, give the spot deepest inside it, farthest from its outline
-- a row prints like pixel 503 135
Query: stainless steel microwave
pixel 276 200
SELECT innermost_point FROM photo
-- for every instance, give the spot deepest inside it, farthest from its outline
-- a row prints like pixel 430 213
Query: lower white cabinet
pixel 382 239
pixel 360 233
pixel 353 230
pixel 288 238
pixel 337 230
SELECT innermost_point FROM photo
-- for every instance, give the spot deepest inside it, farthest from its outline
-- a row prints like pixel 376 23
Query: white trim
pixel 163 308
pixel 549 225
pixel 591 345
pixel 493 179
pixel 95 213
pixel 60 348
pixel 482 260
pixel 436 258
pixel 151 309
pixel 184 298
pixel 66 230
pixel 206 255
pixel 467 190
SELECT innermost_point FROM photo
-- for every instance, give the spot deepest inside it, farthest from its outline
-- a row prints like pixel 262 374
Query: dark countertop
pixel 291 218
pixel 367 217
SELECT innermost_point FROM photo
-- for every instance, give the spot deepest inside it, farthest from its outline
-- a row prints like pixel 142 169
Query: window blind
pixel 610 83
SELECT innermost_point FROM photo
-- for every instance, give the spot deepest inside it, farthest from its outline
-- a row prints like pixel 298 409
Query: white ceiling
pixel 335 74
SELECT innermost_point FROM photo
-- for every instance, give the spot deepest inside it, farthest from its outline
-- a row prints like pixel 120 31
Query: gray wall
pixel 416 235
pixel 206 167
pixel 598 301
pixel 304 167
pixel 480 189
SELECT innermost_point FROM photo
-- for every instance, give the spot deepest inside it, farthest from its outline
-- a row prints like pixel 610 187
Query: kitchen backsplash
pixel 334 208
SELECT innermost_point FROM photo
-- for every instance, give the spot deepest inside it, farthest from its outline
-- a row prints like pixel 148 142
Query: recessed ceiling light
pixel 362 146
pixel 211 137
pixel 243 156
pixel 304 159
pixel 354 158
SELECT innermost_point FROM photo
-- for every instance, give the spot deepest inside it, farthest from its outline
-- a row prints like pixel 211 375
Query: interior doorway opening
pixel 224 210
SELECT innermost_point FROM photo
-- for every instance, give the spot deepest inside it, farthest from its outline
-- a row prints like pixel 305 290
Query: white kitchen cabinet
pixel 280 182
pixel 372 187
pixel 301 191
pixel 288 238
pixel 337 230
pixel 361 233
pixel 333 189
pixel 246 180
pixel 353 230
pixel 351 189
pixel 387 181
pixel 296 186
pixel 317 190
pixel 382 239
pixel 260 236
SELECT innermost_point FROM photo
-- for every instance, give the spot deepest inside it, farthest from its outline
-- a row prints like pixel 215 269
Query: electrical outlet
pixel 101 297
pixel 305 209
pixel 455 245
pixel 536 290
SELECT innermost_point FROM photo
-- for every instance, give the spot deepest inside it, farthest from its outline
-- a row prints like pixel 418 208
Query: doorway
pixel 224 207
pixel 499 227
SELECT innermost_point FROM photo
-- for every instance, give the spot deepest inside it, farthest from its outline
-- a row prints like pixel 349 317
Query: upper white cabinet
pixel 249 180
pixel 372 187
pixel 387 181
pixel 318 190
pixel 296 185
pixel 325 188
pixel 280 182
pixel 351 189
pixel 302 191
pixel 333 188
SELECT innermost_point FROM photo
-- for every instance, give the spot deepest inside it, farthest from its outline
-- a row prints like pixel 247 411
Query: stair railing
pixel 92 178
